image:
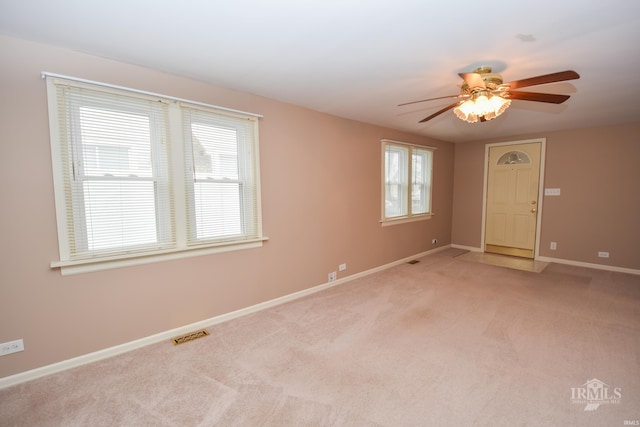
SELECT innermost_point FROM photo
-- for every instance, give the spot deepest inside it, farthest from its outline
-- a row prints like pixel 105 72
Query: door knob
pixel 533 210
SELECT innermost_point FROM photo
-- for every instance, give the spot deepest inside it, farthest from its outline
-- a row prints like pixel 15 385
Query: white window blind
pixel 138 175
pixel 406 174
pixel 420 181
pixel 116 182
pixel 221 170
pixel 396 174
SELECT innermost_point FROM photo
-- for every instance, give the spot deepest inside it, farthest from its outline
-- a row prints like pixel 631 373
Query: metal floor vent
pixel 413 261
pixel 190 337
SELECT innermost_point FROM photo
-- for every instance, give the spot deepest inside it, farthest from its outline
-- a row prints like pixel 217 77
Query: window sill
pixel 404 219
pixel 68 268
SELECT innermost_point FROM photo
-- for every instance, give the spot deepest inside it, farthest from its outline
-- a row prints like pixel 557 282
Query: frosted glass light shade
pixel 488 108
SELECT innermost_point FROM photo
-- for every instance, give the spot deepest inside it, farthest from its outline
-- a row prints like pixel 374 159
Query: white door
pixel 512 194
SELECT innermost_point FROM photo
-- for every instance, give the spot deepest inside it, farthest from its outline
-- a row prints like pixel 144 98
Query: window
pixel 141 177
pixel 406 172
pixel 514 158
pixel 221 177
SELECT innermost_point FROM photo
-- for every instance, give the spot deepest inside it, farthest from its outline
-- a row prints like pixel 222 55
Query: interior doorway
pixel 513 175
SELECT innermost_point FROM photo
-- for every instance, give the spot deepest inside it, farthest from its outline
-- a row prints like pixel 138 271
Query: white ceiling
pixel 360 58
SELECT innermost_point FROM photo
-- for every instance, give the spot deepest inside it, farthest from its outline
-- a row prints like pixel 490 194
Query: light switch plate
pixel 551 191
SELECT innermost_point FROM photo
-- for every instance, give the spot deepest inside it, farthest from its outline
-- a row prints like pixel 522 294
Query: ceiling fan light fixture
pixel 481 106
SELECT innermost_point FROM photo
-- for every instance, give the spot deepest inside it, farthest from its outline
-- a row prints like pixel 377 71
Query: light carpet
pixel 444 342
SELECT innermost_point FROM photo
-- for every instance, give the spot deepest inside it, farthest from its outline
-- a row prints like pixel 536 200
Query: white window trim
pixel 384 222
pixel 405 219
pixel 89 265
pixel 70 266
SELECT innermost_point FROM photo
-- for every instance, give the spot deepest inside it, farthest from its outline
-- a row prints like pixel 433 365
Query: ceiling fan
pixel 483 95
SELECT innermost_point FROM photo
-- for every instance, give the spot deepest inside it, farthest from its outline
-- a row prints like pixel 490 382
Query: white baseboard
pixel 168 335
pixel 589 265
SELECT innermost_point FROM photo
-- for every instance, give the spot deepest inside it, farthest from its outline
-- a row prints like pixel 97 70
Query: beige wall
pixel 598 173
pixel 321 203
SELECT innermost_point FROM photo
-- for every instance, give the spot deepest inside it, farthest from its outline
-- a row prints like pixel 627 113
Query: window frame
pixel 406 182
pixel 180 247
pixel 245 170
pixel 158 176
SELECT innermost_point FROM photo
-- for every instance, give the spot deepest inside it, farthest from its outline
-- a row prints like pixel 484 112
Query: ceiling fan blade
pixel 547 78
pixel 551 98
pixel 437 113
pixel 433 99
pixel 473 79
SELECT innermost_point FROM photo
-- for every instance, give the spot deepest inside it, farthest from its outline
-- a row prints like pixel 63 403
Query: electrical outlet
pixel 553 246
pixel 332 276
pixel 11 347
pixel 342 267
pixel 434 241
pixel 603 254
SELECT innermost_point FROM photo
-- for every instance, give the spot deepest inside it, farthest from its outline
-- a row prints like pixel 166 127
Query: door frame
pixel 543 145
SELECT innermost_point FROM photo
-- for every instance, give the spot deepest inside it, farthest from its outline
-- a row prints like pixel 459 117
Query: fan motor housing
pixel 491 80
